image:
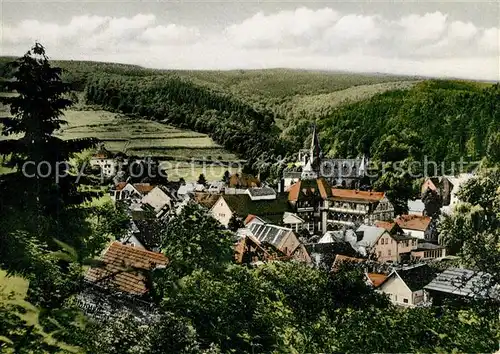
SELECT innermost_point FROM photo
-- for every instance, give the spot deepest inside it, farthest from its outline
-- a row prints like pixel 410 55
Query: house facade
pixel 405 287
pixel 324 208
pixel 415 225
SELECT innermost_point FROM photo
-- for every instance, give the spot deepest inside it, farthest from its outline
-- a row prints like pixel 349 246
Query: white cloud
pixel 429 44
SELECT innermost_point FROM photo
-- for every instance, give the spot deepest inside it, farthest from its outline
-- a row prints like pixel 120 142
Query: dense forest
pixel 450 119
pixel 232 123
pixel 203 301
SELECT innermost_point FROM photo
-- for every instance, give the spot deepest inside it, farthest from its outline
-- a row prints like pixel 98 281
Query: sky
pixel 429 38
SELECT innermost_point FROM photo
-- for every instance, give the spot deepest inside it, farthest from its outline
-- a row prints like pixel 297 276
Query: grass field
pixel 141 137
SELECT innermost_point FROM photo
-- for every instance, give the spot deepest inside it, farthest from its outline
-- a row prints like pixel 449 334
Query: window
pixel 389 252
pixel 405 301
pixel 379 254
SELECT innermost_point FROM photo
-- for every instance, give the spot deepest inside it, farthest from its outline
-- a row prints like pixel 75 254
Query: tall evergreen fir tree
pixel 39 157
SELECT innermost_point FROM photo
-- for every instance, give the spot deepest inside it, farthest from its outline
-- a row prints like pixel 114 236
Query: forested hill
pixel 270 111
pixel 443 119
pixel 177 101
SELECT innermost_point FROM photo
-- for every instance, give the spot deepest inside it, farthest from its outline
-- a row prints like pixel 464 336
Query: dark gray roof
pixel 465 282
pixel 424 246
pixel 417 277
pixel 269 233
pixel 259 192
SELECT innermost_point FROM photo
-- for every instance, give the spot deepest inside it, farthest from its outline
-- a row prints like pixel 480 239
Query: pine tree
pixel 38 156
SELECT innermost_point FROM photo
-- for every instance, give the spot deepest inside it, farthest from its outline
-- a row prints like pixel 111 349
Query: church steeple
pixel 312 168
pixel 315 150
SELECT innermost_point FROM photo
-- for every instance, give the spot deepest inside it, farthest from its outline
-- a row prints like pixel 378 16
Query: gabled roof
pixel 357 195
pixel 292 216
pixel 376 279
pixel 341 259
pixel 371 234
pixel 465 282
pixel 206 200
pixel 251 217
pixel 306 188
pixel 273 209
pixel 417 277
pixel 260 192
pixel 388 225
pixel 143 188
pixel 120 185
pixel 413 222
pixel 124 269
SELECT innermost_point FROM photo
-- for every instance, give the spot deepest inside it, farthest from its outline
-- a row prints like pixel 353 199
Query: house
pixel 306 198
pixel 105 161
pixel 129 191
pixel 416 207
pixel 189 188
pixel 262 193
pixel 447 187
pixel 206 200
pixel 415 225
pixel 391 227
pixel 241 205
pixel 350 207
pixel 282 238
pixel 293 221
pixel 124 269
pixel 405 287
pixel 249 250
pixel 427 251
pixel 378 242
pixel 160 200
pixel 121 283
pixel 456 283
pixel 324 208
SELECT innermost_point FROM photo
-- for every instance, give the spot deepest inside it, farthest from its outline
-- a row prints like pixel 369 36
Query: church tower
pixel 311 169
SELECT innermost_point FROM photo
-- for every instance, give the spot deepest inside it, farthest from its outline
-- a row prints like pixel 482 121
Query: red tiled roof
pixel 123 266
pixel 354 194
pixel 376 278
pixel 341 258
pixel 249 218
pixel 206 200
pixel 413 222
pixel 303 187
pixel 143 188
pixel 385 225
pixel 119 186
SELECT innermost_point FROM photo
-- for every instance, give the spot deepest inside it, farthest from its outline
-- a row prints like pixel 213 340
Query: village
pixel 319 218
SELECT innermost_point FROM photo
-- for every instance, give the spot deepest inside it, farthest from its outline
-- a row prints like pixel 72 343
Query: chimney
pixel 359 235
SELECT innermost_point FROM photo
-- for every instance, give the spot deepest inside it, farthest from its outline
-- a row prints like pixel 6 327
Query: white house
pixel 293 221
pixel 416 207
pixel 133 192
pixel 414 225
pixel 405 287
pixel 159 200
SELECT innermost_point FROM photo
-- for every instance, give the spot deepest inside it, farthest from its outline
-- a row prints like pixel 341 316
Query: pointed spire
pixel 315 147
pixel 315 150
